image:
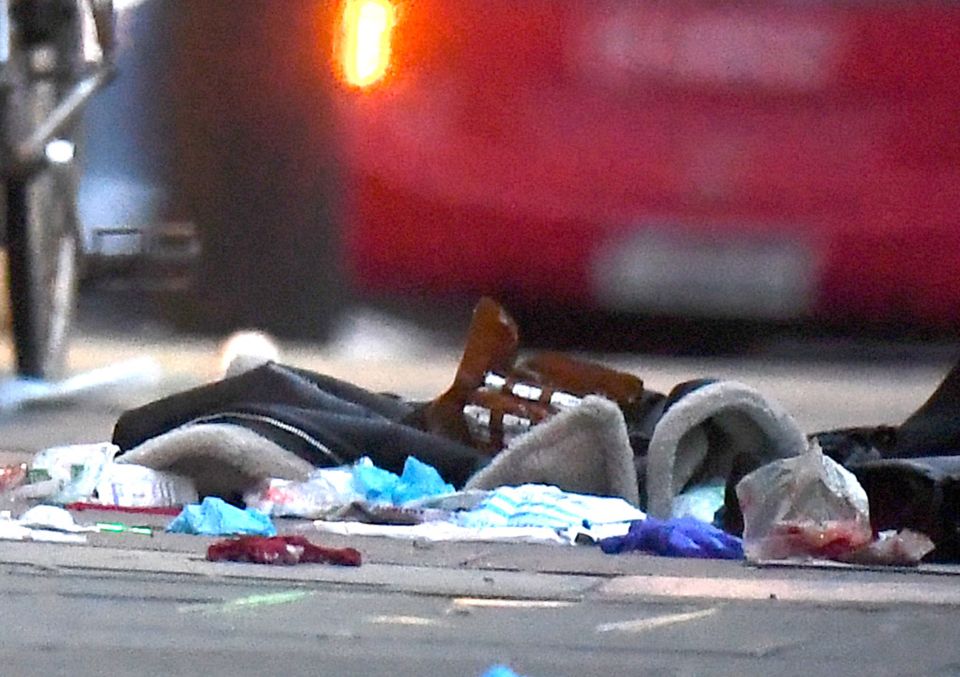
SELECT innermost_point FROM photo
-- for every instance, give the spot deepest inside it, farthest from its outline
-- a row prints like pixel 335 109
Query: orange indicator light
pixel 365 47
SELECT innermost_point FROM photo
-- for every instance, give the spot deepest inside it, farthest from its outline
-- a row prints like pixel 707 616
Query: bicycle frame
pixel 24 154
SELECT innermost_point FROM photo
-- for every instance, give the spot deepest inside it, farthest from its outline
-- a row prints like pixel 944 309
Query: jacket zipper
pixel 280 425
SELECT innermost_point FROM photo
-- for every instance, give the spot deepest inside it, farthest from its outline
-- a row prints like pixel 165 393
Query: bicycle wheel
pixel 42 251
pixel 39 204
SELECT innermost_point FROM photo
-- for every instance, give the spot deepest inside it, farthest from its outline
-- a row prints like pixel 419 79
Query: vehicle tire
pixel 42 253
pixel 257 164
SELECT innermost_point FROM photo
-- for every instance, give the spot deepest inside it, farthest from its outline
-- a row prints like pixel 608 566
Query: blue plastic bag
pixel 216 517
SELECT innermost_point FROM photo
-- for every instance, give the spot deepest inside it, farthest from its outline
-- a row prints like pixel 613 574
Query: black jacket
pixel 323 420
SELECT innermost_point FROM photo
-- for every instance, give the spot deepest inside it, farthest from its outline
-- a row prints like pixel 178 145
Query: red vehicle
pixel 744 159
pixel 728 159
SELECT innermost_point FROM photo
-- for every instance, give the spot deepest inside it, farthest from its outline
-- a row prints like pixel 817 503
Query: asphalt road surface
pixel 115 624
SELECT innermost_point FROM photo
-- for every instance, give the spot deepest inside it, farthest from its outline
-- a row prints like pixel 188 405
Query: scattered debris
pixel 547 448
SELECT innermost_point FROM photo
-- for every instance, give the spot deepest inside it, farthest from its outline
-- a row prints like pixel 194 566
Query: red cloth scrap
pixel 280 550
pixel 137 510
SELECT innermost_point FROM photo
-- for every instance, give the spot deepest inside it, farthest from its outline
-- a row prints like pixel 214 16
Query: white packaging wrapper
pixel 136 486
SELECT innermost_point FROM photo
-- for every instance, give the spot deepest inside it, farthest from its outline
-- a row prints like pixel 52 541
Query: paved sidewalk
pixel 127 603
pixel 495 569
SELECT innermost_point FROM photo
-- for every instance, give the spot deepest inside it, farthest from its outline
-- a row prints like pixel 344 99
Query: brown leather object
pixel 491 353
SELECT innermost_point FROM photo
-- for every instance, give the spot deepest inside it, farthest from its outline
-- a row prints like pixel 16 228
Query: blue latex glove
pixel 216 517
pixel 418 480
pixel 375 484
pixel 676 537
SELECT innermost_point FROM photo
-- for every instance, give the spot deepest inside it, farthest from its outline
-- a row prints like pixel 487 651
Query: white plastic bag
pixel 326 490
pixel 68 473
pixel 805 506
